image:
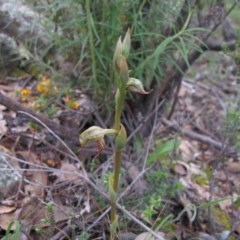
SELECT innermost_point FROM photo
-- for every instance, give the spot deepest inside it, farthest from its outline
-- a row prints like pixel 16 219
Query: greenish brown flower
pixel 95 134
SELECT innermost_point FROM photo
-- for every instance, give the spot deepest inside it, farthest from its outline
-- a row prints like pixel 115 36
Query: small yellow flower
pixel 70 103
pixel 25 95
pixel 74 105
pixel 45 85
pixel 26 92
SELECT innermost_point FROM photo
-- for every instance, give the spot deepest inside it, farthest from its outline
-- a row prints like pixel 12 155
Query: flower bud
pixel 135 85
pixel 121 51
pixel 117 55
pixel 121 138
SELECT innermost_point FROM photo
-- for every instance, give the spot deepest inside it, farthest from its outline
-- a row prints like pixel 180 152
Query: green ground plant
pixel 161 187
pixel 160 184
pixel 83 236
pixel 232 128
pixel 49 220
pixel 16 234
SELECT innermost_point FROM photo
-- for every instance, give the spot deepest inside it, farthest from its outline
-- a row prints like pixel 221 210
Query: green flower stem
pixel 118 111
pixel 120 97
pixel 117 166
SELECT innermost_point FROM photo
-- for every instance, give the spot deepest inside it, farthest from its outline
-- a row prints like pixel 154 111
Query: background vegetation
pixel 167 38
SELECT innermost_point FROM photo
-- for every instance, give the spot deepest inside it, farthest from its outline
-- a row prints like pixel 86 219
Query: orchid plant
pixel 96 134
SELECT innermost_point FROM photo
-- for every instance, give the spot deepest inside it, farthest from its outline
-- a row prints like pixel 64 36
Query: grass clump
pixel 85 31
pixel 160 187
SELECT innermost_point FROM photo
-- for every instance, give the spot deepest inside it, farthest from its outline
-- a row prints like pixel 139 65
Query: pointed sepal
pixel 135 85
pixel 126 45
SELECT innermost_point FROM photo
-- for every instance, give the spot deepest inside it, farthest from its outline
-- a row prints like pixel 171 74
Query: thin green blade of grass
pixel 163 150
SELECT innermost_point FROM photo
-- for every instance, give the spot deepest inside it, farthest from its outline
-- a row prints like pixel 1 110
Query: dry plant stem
pixel 59 139
pixel 98 219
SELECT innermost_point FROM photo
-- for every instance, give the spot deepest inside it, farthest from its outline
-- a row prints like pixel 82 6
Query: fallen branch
pixel 214 45
pixel 199 137
pixel 70 135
